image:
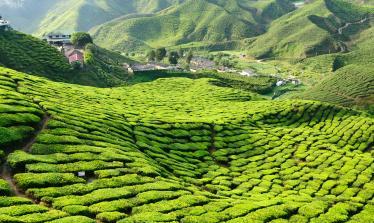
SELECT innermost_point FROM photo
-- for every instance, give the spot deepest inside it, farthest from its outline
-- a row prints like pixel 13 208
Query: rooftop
pixel 3 22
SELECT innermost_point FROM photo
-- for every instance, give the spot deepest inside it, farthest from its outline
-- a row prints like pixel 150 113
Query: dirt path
pixel 212 148
pixel 341 29
pixel 6 170
pixel 7 175
pixel 343 47
pixel 42 125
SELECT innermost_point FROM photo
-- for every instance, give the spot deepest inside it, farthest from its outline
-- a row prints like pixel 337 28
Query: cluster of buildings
pixel 150 67
pixel 201 63
pixel 63 43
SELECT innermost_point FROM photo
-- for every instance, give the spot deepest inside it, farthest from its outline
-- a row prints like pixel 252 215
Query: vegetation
pixel 191 21
pixel 173 57
pixel 81 39
pixel 160 53
pixel 175 146
pixel 206 154
pixel 352 85
pixel 102 67
pixel 314 30
pixel 19 51
pixel 43 16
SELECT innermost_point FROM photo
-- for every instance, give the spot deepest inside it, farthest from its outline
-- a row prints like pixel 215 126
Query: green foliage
pixel 160 53
pixel 151 55
pixel 191 21
pixel 206 154
pixel 350 85
pixel 81 39
pixel 314 30
pixel 18 51
pixel 173 57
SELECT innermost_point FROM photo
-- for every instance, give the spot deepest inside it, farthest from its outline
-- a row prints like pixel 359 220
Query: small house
pixel 74 55
pixel 57 38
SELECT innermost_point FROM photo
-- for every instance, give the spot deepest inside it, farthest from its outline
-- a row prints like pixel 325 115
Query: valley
pixel 187 111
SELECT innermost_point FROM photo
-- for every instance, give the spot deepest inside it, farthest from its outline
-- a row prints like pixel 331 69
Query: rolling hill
pixel 31 55
pixel 180 147
pixel 28 54
pixel 178 150
pixel 42 16
pixel 192 21
pixel 320 27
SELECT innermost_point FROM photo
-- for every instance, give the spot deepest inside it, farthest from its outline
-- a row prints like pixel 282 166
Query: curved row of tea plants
pixel 181 150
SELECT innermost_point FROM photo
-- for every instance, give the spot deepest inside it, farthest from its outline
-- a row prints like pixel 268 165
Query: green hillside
pixel 315 29
pixel 103 68
pixel 28 54
pixel 41 16
pixel 192 21
pixel 179 150
pixel 352 85
pixel 26 15
pixel 81 15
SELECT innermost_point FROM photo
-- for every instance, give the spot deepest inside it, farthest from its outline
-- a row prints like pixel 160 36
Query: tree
pixel 160 53
pixel 151 55
pixel 338 63
pixel 189 57
pixel 173 57
pixel 81 39
pixel 180 52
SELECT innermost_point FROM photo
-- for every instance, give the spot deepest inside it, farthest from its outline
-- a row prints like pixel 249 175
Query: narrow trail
pixel 7 175
pixel 343 47
pixel 341 29
pixel 42 125
pixel 6 170
pixel 212 148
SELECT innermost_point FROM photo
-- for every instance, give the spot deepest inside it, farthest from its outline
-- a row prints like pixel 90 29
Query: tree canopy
pixel 160 53
pixel 173 57
pixel 81 39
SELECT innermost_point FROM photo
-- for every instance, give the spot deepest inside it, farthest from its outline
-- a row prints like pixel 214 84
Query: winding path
pixel 341 29
pixel 342 45
pixel 6 170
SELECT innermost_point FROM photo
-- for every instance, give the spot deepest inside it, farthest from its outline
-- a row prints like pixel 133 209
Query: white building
pixel 4 24
pixel 248 73
pixel 280 83
pixel 57 38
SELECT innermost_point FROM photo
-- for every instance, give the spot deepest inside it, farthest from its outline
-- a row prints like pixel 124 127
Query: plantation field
pixel 179 150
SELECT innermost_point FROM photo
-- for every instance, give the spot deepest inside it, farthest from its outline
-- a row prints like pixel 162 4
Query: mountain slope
pixel 39 17
pixel 193 20
pixel 321 27
pixel 26 15
pixel 81 15
pixel 28 54
pixel 31 55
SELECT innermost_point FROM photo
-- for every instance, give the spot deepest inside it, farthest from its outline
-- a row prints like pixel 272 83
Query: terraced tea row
pixel 182 150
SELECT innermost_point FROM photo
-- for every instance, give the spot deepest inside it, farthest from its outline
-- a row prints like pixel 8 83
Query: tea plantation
pixel 178 150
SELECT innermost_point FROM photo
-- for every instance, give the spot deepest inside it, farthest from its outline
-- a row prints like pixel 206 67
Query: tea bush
pixel 177 150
